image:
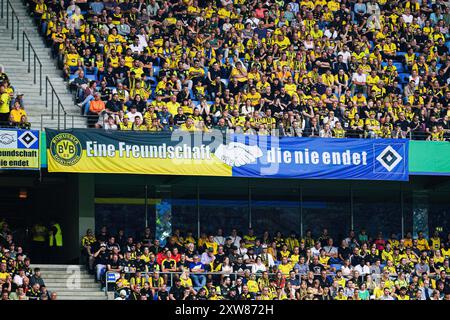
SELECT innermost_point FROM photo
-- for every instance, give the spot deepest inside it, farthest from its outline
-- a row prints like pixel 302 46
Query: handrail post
pixel 12 23
pixel 2 10
pixel 17 48
pixel 23 46
pixel 29 58
pixel 46 96
pixel 58 113
pixel 7 15
pixel 40 78
pixel 52 104
pixel 34 65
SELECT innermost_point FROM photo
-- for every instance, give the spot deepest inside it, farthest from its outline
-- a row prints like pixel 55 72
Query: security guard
pixel 55 241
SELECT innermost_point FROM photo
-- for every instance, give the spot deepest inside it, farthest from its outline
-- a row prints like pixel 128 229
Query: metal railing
pixel 35 58
pixel 52 102
pixel 70 121
pixel 169 277
pixel 11 16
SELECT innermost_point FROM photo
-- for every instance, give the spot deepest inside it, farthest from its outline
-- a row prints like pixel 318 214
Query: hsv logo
pixel 389 158
pixel 28 139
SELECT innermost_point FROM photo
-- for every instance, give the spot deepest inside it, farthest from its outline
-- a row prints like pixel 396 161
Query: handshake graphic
pixel 237 154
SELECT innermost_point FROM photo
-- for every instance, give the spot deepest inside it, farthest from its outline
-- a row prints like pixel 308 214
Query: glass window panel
pixel 123 208
pixel 439 213
pixel 275 209
pixel 377 210
pixel 325 207
pixel 224 208
pixel 184 208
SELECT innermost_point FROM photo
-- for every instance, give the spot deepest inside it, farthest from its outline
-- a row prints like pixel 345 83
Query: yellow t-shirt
pixel 285 268
pixel 17 114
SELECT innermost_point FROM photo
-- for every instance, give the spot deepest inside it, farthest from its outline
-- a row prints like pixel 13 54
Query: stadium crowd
pixel 18 280
pixel 347 68
pixel 12 107
pixel 268 267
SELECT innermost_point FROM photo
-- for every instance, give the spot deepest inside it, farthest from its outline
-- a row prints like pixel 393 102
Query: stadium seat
pixel 337 266
pixel 226 82
pixel 91 77
pixel 404 77
pixel 399 66
pixel 447 44
pixel 156 71
pixel 191 94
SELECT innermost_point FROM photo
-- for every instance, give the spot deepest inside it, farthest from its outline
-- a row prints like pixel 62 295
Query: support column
pixel 86 204
pixel 420 213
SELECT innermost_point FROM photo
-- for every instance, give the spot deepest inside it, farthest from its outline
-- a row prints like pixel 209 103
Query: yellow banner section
pixel 19 158
pixel 117 164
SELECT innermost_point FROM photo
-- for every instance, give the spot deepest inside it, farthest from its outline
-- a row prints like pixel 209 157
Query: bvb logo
pixel 66 149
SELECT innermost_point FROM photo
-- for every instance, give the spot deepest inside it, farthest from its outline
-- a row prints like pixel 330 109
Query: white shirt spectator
pixel 18 280
pixel 363 270
pixel 331 121
pixel 407 18
pixel 359 77
pixel 416 80
pixel 330 35
pixel 258 267
pixel 136 49
pixel 109 126
pixel 242 251
pixel 346 270
pixel 315 252
pixel 131 116
pixel 219 240
pixel 142 41
pixel 247 110
pixel 236 240
pixel 345 55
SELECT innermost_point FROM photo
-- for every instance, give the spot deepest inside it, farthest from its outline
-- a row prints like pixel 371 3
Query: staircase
pixel 70 282
pixel 21 80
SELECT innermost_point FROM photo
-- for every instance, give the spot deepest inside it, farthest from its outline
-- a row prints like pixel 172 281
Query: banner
pixel 19 149
pixel 214 154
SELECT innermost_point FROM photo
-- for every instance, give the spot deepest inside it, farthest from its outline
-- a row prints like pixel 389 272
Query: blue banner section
pixel 319 158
